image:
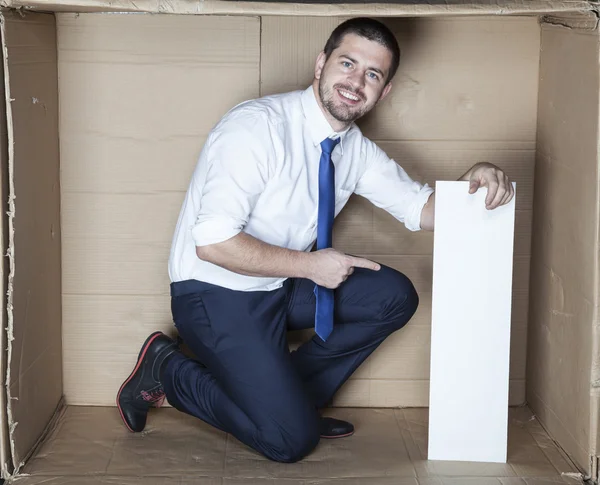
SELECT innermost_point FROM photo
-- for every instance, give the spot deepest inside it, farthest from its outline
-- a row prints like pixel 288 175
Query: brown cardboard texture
pixel 389 448
pixel 411 8
pixel 117 229
pixel 559 378
pixel 104 122
pixel 34 373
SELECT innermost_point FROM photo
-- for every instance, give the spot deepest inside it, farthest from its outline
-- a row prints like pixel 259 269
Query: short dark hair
pixel 370 29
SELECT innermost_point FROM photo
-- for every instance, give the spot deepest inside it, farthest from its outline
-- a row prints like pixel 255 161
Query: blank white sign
pixel 470 335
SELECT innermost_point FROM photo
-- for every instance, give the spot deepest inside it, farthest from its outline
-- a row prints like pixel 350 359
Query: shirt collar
pixel 318 125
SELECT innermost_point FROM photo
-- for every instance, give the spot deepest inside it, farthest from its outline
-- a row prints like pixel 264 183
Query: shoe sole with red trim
pixel 141 356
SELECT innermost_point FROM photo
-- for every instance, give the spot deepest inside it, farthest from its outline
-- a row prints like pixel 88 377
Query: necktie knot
pixel 328 144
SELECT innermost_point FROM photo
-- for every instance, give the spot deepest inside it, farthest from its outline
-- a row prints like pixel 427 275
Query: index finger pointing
pixel 364 263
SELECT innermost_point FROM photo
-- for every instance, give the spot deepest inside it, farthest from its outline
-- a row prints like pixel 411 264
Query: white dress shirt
pixel 259 173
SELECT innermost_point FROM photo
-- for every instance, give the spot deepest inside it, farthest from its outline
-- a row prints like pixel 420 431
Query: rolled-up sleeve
pixel 237 161
pixel 388 186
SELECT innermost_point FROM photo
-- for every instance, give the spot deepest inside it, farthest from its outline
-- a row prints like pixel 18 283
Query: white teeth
pixel 348 95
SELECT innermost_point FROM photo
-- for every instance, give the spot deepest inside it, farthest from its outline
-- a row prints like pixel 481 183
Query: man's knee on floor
pixel 290 449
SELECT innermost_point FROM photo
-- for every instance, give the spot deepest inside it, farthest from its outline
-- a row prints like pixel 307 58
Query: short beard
pixel 342 113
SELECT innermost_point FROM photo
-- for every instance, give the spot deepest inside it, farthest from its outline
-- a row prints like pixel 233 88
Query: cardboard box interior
pixel 108 113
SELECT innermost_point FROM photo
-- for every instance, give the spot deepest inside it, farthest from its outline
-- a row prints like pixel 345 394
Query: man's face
pixel 353 79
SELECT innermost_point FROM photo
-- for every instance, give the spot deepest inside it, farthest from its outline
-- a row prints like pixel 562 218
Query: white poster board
pixel 470 335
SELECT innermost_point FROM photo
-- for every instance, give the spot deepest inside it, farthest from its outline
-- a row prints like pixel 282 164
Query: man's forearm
pixel 249 256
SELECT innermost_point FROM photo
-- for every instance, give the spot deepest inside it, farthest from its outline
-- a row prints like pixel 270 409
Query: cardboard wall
pixel 565 243
pixel 436 123
pixel 140 93
pixel 34 378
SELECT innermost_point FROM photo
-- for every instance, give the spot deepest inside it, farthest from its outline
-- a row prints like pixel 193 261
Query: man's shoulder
pixel 263 112
pixel 369 150
pixel 356 135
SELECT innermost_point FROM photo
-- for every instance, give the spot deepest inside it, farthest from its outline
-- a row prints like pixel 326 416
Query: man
pixel 272 176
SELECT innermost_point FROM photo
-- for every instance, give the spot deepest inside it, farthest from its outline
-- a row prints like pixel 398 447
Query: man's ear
pixel 319 65
pixel 386 90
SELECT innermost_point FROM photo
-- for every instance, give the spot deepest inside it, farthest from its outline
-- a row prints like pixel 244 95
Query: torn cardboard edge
pixel 595 342
pixel 582 22
pixel 4 444
pixel 400 9
pixel 595 432
pixel 595 367
pixel 10 250
pixel 36 351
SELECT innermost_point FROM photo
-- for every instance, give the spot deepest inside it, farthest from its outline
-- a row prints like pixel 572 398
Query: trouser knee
pixel 400 299
pixel 290 449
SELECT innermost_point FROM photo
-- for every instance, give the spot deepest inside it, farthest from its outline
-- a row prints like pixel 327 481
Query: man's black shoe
pixel 142 390
pixel 335 428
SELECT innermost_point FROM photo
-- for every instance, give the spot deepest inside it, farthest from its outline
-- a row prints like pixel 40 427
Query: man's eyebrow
pixel 349 58
pixel 377 70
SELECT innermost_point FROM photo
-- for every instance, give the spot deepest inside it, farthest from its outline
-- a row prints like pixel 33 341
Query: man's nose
pixel 357 79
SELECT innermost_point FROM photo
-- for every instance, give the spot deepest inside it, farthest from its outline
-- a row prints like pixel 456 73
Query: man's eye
pixel 372 75
pixel 346 64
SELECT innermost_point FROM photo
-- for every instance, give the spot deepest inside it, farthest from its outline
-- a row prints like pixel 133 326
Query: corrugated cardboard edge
pixel 198 7
pixel 11 240
pixel 11 247
pixel 595 372
pixel 5 455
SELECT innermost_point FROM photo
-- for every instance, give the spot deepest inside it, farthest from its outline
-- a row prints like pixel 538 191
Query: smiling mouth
pixel 348 95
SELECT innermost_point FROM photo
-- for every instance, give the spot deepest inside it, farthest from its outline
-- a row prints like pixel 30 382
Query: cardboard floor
pixel 89 445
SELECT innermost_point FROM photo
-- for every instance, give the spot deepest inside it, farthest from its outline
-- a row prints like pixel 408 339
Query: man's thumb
pixel 473 186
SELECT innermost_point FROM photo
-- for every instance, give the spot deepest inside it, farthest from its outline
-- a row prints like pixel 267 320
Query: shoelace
pixel 155 397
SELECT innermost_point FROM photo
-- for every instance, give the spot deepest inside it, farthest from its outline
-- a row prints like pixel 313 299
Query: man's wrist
pixel 304 265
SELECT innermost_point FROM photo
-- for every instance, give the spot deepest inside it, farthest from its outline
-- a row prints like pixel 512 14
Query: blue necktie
pixel 324 310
